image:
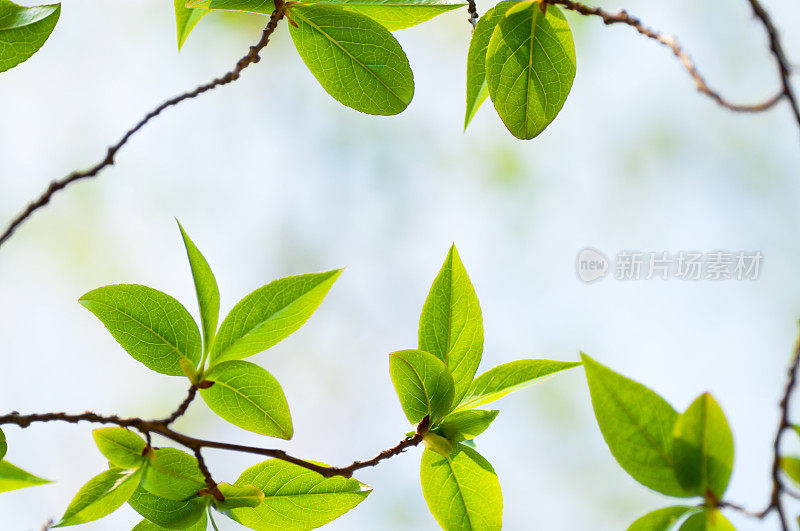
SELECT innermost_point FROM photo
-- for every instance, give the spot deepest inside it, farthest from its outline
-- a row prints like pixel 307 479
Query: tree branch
pixel 58 185
pixel 622 17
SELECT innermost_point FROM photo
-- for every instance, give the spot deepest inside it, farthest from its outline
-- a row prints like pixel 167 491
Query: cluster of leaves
pixel 436 385
pixel 682 455
pixel 521 54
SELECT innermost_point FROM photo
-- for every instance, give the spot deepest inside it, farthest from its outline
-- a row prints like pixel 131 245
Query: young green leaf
pixel 3 445
pixel 466 425
pixel 394 14
pixel 168 514
pixel 496 383
pixel 437 443
pixel 702 448
pixel 661 519
pixel 791 467
pixel 173 474
pixel 530 66
pixel 147 525
pixel 13 478
pixel 23 30
pixel 296 498
pixel 355 59
pixel 248 396
pixel 707 520
pixel 477 91
pixel 451 326
pixel 186 19
pixel 270 314
pixel 462 490
pixel 152 326
pixel 637 426
pixel 237 496
pixel 206 287
pixel 253 6
pixel 101 496
pixel 423 385
pixel 121 447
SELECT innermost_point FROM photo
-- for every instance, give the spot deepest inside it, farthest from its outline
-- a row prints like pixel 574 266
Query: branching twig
pixel 622 17
pixel 55 186
pixel 183 407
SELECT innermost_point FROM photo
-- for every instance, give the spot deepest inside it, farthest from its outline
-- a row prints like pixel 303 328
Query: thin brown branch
pixel 784 67
pixel 472 9
pixel 212 485
pixel 622 17
pixel 58 185
pixel 190 396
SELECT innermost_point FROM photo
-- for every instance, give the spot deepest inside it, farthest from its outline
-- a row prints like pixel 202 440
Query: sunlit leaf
pixel 465 425
pixel 355 59
pixel 147 525
pixel 296 498
pixel 248 396
pixel 121 447
pixel 423 385
pixel 23 30
pixel 530 66
pixel 13 478
pixel 3 445
pixel 101 496
pixel 152 326
pixel 462 490
pixel 173 474
pixel 237 496
pixel 185 20
pixel 661 519
pixel 394 14
pixel 707 520
pixel 205 285
pixel 168 514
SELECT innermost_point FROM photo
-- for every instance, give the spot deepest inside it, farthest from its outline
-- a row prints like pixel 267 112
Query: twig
pixel 472 9
pixel 183 407
pixel 55 186
pixel 784 67
pixel 212 485
pixel 622 17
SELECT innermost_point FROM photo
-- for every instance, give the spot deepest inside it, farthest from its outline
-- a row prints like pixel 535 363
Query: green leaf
pixel 13 478
pixel 702 448
pixel 173 474
pixel 660 520
pixel 791 466
pixel 437 443
pixel 206 287
pixel 466 425
pixel 237 496
pixel 23 30
pixel 637 426
pixel 101 496
pixel 296 498
pixel 354 58
pixel 168 514
pixel 186 19
pixel 253 6
pixel 451 326
pixel 248 396
pixel 270 314
pixel 394 14
pixel 146 525
pixel 496 383
pixel 707 520
pixel 423 385
pixel 121 447
pixel 477 90
pixel 3 445
pixel 152 326
pixel 530 66
pixel 462 490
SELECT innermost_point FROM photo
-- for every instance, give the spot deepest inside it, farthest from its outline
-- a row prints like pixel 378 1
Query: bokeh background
pixel 272 177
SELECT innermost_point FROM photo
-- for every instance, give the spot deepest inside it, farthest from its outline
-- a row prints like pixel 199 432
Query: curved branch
pixel 622 17
pixel 58 185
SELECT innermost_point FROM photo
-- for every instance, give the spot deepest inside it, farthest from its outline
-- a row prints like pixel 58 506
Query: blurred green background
pixel 272 177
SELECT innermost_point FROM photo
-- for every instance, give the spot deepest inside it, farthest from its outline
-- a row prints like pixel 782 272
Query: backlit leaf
pixel 707 520
pixel 270 314
pixel 206 287
pixel 121 447
pixel 186 19
pixel 3 445
pixel 530 66
pixel 13 478
pixel 23 30
pixel 248 396
pixel 237 496
pixel 152 326
pixel 296 498
pixel 355 59
pixel 146 525
pixel 423 385
pixel 462 490
pixel 661 519
pixel 394 14
pixel 173 474
pixel 101 496
pixel 465 425
pixel 451 326
pixel 168 514
pixel 637 426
